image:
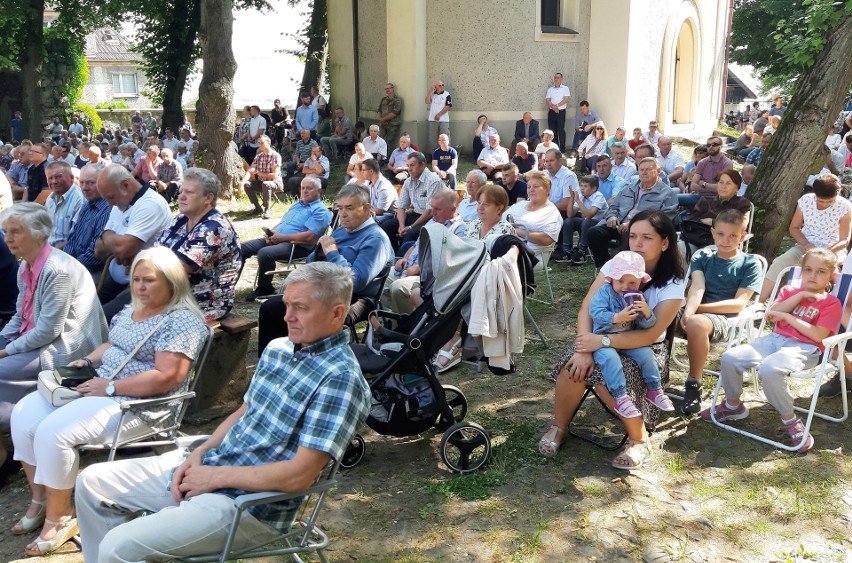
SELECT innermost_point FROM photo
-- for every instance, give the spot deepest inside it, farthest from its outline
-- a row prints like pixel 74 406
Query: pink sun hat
pixel 627 262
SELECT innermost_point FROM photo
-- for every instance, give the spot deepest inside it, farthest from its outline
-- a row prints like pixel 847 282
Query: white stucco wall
pixel 99 87
pixel 492 60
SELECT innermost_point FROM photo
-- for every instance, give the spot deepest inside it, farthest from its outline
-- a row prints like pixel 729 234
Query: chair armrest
pixel 832 341
pixel 191 442
pixel 127 405
pixel 267 497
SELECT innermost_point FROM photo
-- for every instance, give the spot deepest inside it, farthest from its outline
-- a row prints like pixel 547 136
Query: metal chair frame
pixel 834 345
pixel 171 432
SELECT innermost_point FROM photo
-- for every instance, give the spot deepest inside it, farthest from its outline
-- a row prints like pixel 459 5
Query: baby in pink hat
pixel 619 306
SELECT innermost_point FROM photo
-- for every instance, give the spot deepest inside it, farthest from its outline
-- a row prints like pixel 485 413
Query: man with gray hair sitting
pixel 274 441
pixel 169 175
pixel 359 245
pixel 137 218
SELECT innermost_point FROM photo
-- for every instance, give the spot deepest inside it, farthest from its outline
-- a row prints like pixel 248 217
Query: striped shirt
pixel 63 209
pixel 86 227
pixel 172 172
pixel 313 397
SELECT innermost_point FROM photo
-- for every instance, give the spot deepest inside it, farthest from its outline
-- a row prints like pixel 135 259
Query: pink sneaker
pixel 659 400
pixel 724 413
pixel 796 431
pixel 625 407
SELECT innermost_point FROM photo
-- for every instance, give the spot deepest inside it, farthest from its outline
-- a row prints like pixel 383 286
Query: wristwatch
pixel 110 389
pixel 604 342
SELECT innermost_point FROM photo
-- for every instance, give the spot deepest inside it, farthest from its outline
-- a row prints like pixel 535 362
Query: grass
pixel 705 490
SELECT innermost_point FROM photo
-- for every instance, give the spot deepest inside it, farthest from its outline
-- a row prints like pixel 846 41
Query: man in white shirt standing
pixel 257 127
pixel 556 100
pixel 439 102
pixel 76 127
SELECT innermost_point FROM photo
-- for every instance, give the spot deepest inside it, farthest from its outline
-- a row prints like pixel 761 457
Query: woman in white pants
pixel 165 319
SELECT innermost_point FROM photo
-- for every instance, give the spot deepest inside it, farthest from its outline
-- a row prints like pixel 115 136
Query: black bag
pixel 696 233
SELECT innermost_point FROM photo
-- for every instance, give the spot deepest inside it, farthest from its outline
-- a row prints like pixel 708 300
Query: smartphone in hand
pixel 268 232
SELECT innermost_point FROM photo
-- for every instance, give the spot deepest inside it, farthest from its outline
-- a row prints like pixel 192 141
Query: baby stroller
pixel 407 397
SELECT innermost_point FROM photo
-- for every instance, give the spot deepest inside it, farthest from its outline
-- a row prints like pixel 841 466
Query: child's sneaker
pixel 724 412
pixel 659 400
pixel 625 407
pixel 796 431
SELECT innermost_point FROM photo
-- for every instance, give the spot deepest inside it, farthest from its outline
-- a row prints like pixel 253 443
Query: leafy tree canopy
pixel 782 38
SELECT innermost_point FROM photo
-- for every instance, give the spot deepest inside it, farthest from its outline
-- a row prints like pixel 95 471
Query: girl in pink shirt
pixel 803 317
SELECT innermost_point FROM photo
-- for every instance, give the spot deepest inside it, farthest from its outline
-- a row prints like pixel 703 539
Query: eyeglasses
pixel 714 144
pixel 599 128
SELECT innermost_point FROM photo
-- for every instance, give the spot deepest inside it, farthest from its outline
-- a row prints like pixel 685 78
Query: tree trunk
pixel 183 33
pixel 216 93
pixel 31 67
pixel 784 168
pixel 317 46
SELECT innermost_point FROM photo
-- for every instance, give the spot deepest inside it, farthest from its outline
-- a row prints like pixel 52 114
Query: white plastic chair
pixel 834 345
pixel 743 326
pixel 167 436
pixel 543 254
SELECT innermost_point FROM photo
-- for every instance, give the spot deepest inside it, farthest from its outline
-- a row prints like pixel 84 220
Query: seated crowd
pixel 110 279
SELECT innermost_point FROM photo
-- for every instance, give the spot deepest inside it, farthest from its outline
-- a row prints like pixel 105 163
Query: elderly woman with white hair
pixel 57 316
pixel 149 353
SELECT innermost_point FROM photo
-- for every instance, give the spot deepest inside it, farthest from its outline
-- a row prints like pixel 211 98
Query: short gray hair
pixel 449 196
pixel 33 217
pixel 313 180
pixel 164 151
pixel 207 181
pixel 480 176
pixel 331 284
pixel 116 175
pixel 522 145
pixel 360 191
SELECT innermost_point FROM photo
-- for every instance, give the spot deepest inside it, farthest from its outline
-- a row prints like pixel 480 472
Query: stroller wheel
pixel 457 402
pixel 354 452
pixel 465 447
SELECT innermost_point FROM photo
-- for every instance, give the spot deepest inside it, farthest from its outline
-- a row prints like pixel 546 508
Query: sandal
pixel 549 446
pixel 632 456
pixel 451 357
pixel 26 525
pixel 67 529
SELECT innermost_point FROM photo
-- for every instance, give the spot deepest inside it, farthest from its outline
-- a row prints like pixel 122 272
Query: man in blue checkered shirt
pixel 303 406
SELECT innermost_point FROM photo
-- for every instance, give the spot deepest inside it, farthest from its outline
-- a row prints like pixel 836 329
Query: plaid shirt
pixel 418 193
pixel 172 172
pixel 63 209
pixel 313 397
pixel 265 162
pixel 86 227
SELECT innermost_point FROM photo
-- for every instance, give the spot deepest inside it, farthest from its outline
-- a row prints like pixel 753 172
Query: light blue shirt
pixel 306 118
pixel 563 184
pixel 326 165
pixel 301 217
pixel 63 209
pixel 611 187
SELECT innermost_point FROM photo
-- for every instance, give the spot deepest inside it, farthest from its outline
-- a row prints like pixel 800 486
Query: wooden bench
pixel 224 378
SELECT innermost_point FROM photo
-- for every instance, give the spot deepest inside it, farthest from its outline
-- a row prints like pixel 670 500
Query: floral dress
pixel 212 249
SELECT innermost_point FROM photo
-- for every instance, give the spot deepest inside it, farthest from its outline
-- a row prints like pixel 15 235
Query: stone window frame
pixel 569 22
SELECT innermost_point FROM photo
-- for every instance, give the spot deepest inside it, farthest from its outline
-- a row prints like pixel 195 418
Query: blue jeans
pixel 613 371
pixel 687 200
pixel 572 225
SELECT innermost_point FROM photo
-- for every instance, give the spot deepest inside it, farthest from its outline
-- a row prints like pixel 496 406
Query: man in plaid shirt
pixel 305 402
pixel 265 175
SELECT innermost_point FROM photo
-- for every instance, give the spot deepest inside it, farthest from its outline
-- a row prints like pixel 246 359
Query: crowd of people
pixel 98 272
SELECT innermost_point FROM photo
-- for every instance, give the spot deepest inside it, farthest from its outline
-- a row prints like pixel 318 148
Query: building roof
pixel 108 45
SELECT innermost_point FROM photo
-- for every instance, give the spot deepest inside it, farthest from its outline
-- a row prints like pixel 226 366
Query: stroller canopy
pixel 449 265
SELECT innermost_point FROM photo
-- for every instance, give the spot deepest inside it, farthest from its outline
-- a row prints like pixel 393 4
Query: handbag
pixel 50 382
pixel 696 233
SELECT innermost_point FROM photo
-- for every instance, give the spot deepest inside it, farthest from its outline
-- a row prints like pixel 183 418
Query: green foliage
pixel 12 30
pixel 88 117
pixel 120 104
pixel 781 38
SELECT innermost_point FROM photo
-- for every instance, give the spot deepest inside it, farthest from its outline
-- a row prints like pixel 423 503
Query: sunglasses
pixel 599 129
pixel 714 144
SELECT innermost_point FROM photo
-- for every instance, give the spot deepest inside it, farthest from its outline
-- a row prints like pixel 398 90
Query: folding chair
pixel 834 345
pixel 613 442
pixel 170 434
pixel 742 326
pixel 304 536
pixel 543 254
